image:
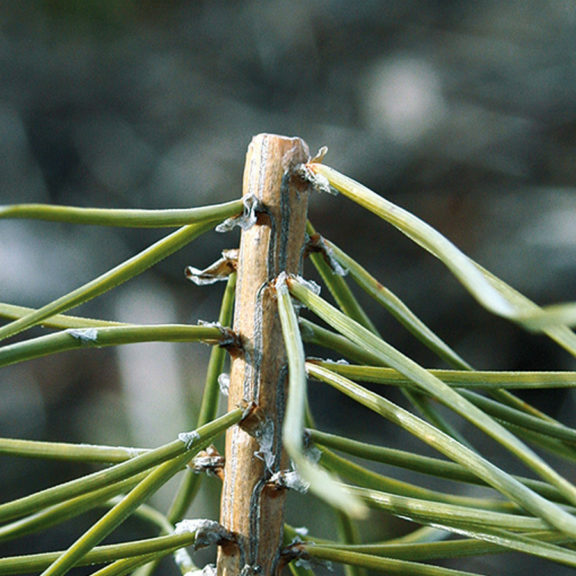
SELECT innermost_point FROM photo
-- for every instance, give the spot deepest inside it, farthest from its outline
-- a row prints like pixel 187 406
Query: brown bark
pixel 252 506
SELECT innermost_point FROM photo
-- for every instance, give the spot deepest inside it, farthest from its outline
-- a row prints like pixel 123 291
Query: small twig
pixel 272 241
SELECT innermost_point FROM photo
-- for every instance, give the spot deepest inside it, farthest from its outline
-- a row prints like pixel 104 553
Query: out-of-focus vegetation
pixel 465 113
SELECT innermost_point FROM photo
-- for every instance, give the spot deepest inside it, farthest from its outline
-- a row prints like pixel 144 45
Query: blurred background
pixel 462 112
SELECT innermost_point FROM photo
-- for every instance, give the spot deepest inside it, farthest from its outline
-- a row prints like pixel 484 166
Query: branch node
pixel 229 340
pixel 319 182
pixel 249 411
pixel 309 284
pixel 289 479
pixel 296 552
pixel 252 206
pixel 208 461
pixel 216 272
pixel 207 532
